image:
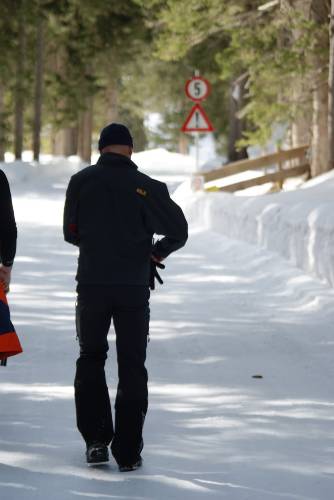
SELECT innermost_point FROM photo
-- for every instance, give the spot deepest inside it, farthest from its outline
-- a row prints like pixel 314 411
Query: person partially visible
pixel 8 232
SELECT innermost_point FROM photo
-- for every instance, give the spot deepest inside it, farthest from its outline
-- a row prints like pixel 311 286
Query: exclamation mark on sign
pixel 197 119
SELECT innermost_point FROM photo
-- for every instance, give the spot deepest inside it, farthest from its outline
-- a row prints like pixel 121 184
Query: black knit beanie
pixel 113 134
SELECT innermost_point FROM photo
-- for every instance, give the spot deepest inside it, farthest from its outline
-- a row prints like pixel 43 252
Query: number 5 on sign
pixel 197 89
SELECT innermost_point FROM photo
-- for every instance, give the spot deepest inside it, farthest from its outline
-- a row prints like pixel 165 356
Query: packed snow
pixel 297 224
pixel 240 359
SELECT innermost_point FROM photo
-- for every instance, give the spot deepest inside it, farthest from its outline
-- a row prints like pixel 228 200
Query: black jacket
pixel 111 212
pixel 8 231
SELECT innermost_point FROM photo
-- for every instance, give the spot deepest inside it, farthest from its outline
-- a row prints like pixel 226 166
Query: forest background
pixel 69 67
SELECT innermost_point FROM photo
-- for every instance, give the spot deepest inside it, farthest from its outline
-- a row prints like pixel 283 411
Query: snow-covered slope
pixel 26 175
pixel 227 311
pixel 299 225
pixel 172 168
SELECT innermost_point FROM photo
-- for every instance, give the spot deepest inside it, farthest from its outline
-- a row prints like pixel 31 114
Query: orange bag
pixel 9 341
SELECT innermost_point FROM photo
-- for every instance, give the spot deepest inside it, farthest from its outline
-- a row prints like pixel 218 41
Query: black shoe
pixel 97 453
pixel 130 467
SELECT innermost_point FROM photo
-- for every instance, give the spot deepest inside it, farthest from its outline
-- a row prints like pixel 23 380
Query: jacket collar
pixel 115 160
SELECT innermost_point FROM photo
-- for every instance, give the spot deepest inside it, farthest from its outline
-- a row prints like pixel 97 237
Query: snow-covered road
pixel 228 311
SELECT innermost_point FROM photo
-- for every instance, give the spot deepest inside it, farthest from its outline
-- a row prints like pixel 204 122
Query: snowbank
pixel 299 225
pixel 168 167
pixel 27 175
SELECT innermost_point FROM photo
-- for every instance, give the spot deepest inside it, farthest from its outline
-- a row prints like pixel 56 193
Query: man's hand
pixel 156 259
pixel 5 275
pixel 155 262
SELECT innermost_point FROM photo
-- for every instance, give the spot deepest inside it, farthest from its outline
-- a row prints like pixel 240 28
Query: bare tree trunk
pixel 19 87
pixel 317 11
pixel 38 89
pixel 319 156
pixel 331 91
pixel 320 138
pixel 301 128
pixel 236 125
pixel 71 141
pixel 183 144
pixel 65 142
pixel 233 128
pixel 2 124
pixel 112 99
pixel 85 132
pixel 58 142
pixel 300 131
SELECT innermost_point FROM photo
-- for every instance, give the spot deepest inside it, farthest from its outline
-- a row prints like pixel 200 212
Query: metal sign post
pixel 197 151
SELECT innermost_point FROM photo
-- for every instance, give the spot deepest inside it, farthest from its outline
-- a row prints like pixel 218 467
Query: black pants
pixel 128 306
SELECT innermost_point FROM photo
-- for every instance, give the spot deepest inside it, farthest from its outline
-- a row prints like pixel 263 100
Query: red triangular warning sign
pixel 197 121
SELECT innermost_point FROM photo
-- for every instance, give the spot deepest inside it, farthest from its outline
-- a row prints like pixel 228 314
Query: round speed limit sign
pixel 197 88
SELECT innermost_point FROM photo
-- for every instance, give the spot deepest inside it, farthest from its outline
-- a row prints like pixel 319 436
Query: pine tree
pixel 38 94
pixel 85 36
pixel 278 48
pixel 7 51
pixel 19 92
pixel 198 31
pixel 331 91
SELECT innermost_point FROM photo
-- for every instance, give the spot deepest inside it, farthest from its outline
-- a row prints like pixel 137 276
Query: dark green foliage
pixel 242 39
pixel 145 50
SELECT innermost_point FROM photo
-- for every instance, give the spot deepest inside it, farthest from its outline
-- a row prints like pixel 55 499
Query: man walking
pixel 112 212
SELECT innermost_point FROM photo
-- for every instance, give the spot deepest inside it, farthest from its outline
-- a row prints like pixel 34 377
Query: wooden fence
pixel 297 157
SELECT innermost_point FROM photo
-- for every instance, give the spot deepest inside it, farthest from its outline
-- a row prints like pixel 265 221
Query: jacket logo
pixel 142 192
